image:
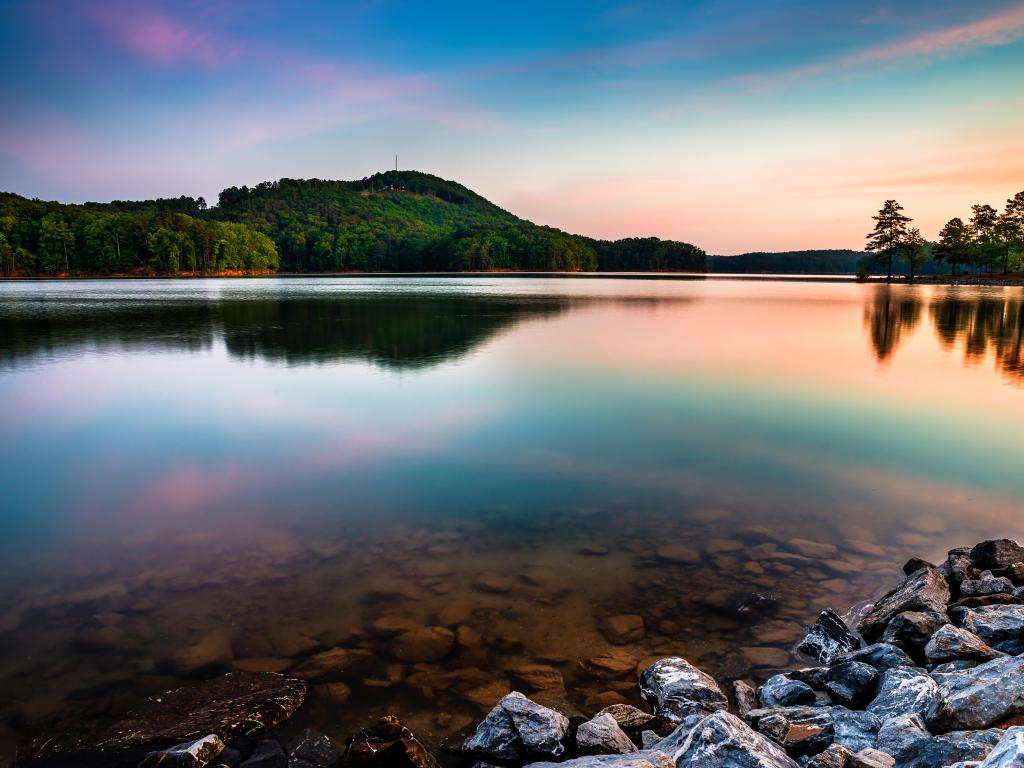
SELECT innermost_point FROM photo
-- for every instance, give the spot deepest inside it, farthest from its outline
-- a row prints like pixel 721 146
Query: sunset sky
pixel 733 124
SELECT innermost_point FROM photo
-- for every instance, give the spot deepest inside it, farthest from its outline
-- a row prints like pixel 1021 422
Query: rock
pixel 626 628
pixel 674 689
pixel 610 666
pixel 833 757
pixel 335 694
pixel 310 749
pixel 212 651
pixel 389 626
pixel 423 645
pixel 983 696
pixel 951 643
pixel 954 666
pixel 603 736
pixel 924 590
pixel 764 656
pixel 814 549
pixel 678 553
pixel 745 696
pixel 958 568
pixel 854 730
pixel 485 695
pixel 915 564
pixel 829 638
pixel 802 731
pixel 229 758
pixel 852 683
pixel 947 749
pixel 263 664
pixel 652 758
pixel 336 664
pixel 881 656
pixel 912 630
pixel 722 740
pixel 518 728
pixel 537 677
pixel 1009 752
pixel 191 754
pixel 816 677
pixel 985 587
pixel 898 733
pixel 905 691
pixel 629 718
pixel 387 744
pixel 648 739
pixel 993 623
pixel 775 727
pixel 780 691
pixel 268 754
pixel 998 553
pixel 871 758
pixel 493 584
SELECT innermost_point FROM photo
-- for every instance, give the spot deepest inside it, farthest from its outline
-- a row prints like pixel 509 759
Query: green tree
pixel 985 246
pixel 55 244
pixel 886 239
pixel 1011 229
pixel 914 249
pixel 954 244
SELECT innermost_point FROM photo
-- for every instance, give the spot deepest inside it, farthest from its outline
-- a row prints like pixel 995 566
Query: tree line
pixel 987 242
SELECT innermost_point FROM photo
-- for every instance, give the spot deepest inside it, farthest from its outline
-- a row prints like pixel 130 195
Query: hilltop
pixel 402 221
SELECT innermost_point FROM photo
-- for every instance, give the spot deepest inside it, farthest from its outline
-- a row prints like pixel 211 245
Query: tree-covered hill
pixel 820 262
pixel 395 221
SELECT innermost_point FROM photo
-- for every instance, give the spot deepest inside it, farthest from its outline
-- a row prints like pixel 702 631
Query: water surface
pixel 285 463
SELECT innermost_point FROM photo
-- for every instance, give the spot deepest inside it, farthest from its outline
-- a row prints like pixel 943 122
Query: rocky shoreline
pixel 931 674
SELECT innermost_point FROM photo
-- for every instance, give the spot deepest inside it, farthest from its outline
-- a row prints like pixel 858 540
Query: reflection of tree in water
pixel 983 324
pixel 890 315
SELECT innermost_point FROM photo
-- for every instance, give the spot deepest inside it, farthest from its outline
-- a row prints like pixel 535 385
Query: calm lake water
pixel 276 467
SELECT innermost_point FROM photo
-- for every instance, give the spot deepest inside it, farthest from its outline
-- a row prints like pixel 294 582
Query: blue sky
pixel 737 125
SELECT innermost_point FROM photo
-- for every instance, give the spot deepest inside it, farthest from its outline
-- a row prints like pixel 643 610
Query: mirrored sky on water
pixel 134 411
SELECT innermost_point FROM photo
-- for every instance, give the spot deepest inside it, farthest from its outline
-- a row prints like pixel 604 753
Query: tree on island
pixel 914 249
pixel 954 244
pixel 887 239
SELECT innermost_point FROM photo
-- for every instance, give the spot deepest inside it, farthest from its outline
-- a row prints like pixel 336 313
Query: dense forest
pixel 819 262
pixel 394 222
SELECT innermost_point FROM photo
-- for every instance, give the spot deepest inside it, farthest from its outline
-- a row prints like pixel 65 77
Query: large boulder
pixel 603 736
pixel 191 754
pixel 983 696
pixel 675 689
pixel 780 691
pixel 855 730
pixel 722 740
pixel 829 638
pixel 518 729
pixel 951 643
pixel 923 590
pixel 906 691
pixel 1009 752
pixel 387 744
pixel 995 624
pixel 947 749
pixel 911 631
pixel 997 553
pixel 898 733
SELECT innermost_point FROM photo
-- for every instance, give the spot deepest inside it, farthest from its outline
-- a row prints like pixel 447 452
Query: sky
pixel 736 125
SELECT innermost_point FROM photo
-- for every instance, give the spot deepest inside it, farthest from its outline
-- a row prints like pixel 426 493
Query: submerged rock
pixel 603 736
pixel 336 664
pixel 212 651
pixel 626 628
pixel 518 728
pixel 722 740
pixel 268 754
pixel 310 749
pixel 424 644
pixel 675 689
pixel 191 754
pixel 923 590
pixel 387 744
pixel 982 696
pixel 829 638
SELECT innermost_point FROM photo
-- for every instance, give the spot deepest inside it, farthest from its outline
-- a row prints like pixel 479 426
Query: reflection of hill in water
pixel 397 332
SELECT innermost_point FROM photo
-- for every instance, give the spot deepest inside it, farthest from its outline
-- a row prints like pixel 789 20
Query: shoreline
pixel 930 674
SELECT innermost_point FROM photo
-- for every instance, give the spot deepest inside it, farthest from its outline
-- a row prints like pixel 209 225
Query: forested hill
pixel 393 221
pixel 825 262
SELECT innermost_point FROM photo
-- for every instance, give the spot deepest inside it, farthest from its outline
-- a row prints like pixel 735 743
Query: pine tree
pixel 1011 228
pixel 985 247
pixel 914 249
pixel 954 244
pixel 889 234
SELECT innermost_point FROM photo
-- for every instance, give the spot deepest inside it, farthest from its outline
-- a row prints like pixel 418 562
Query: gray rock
pixel 628 717
pixel 899 733
pixel 829 638
pixel 948 748
pixel 267 755
pixel 958 568
pixel 1009 752
pixel 983 587
pixel 951 643
pixel 871 758
pixel 983 696
pixel 648 758
pixel 517 728
pixel 603 736
pixel 881 656
pixel 833 757
pixel 191 754
pixel 852 683
pixel 816 677
pixel 802 731
pixel 775 727
pixel 780 691
pixel 745 696
pixel 310 749
pixel 993 623
pixel 911 631
pixel 906 691
pixel 648 739
pixel 854 730
pixel 923 590
pixel 954 666
pixel 675 689
pixel 997 553
pixel 722 740
pixel 672 743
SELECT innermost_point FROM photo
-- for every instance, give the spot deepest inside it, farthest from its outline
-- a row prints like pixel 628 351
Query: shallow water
pixel 286 462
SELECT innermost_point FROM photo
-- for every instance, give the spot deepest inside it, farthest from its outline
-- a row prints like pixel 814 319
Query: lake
pixel 260 469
